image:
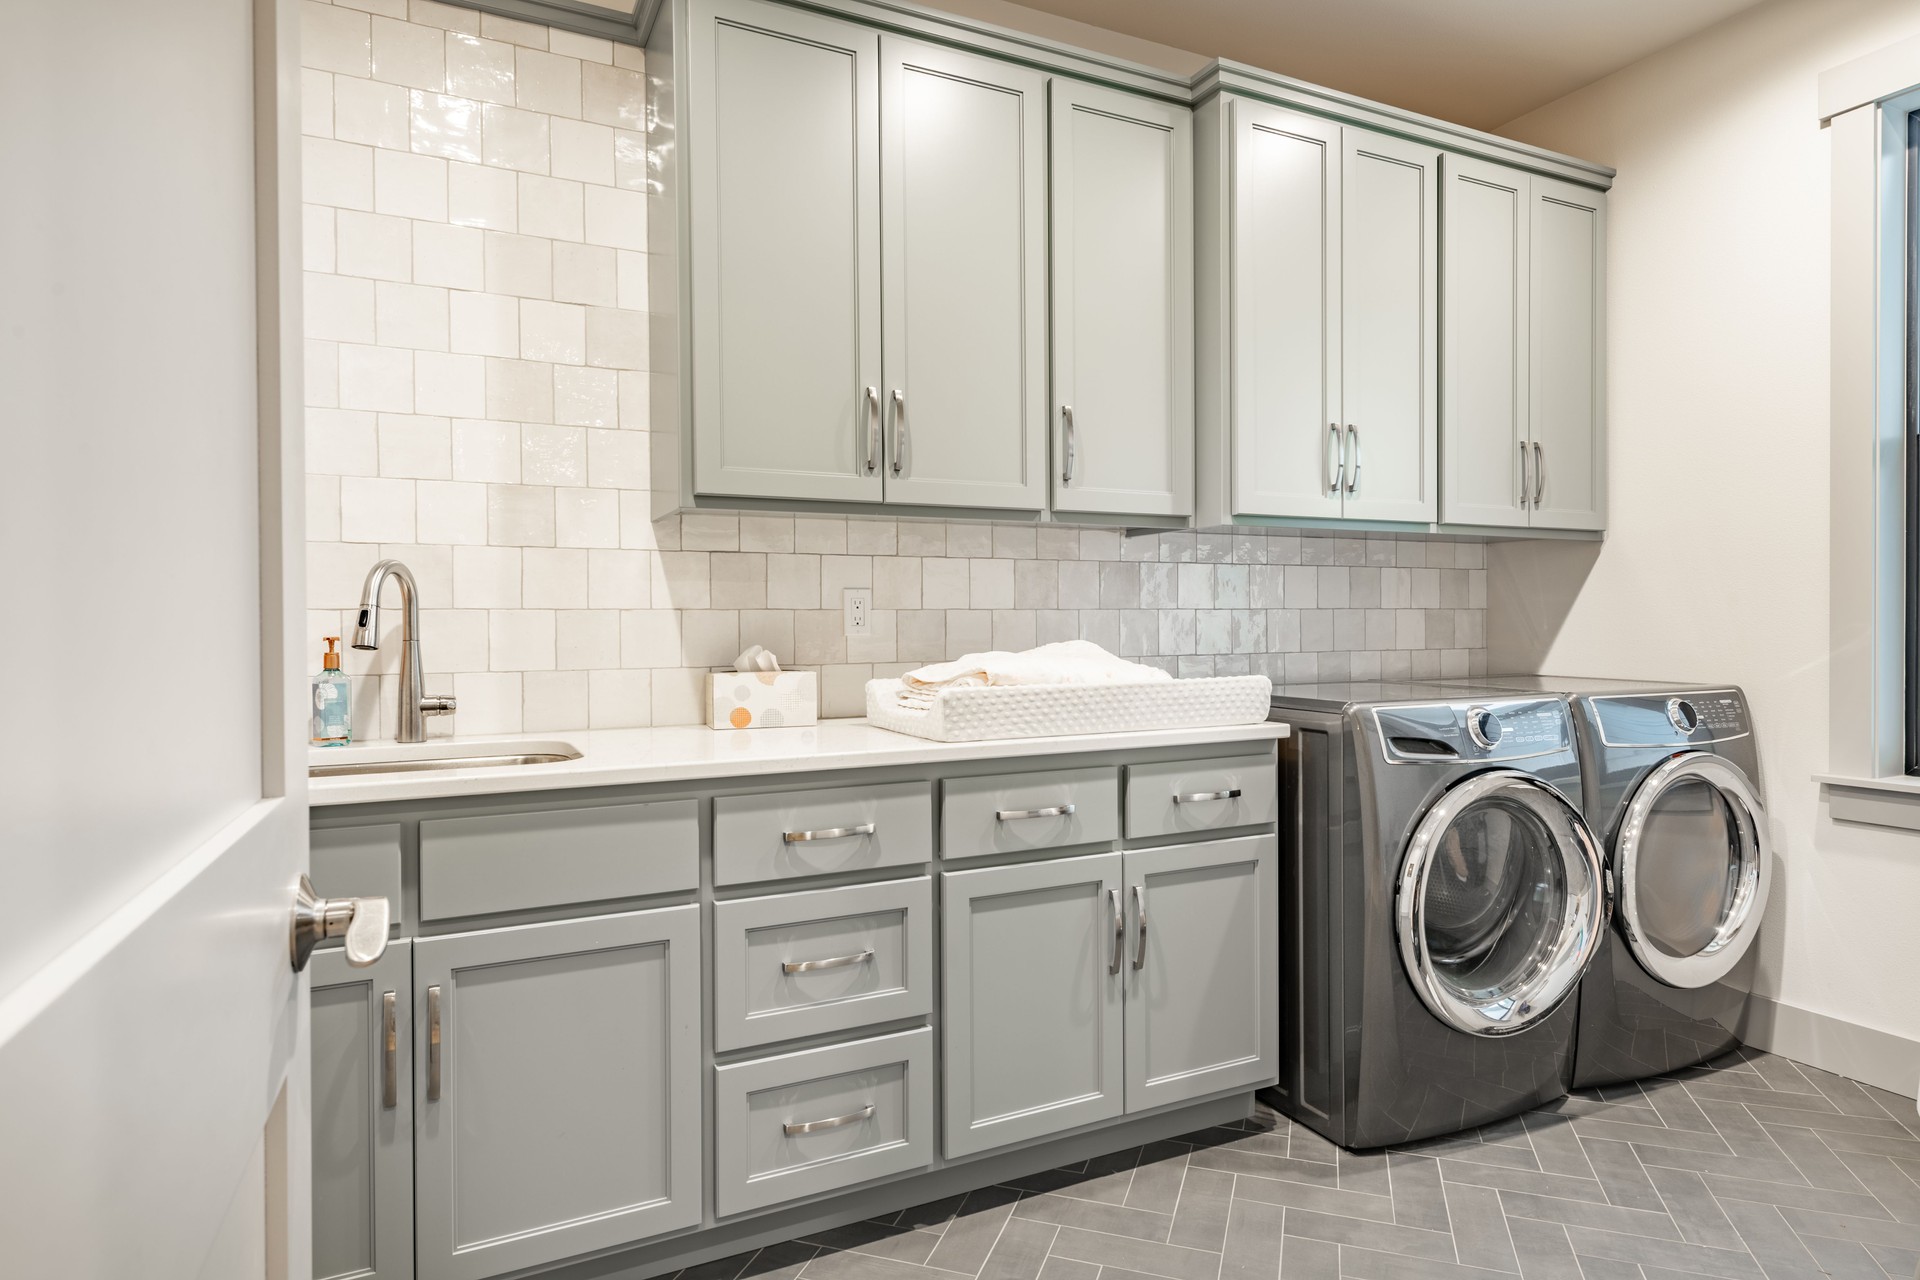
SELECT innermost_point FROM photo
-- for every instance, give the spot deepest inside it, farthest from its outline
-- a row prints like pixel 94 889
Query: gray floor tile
pixel 1113 1219
pixel 1770 1240
pixel 1844 1259
pixel 1418 1200
pixel 1676 1108
pixel 1299 1195
pixel 1369 1235
pixel 1020 1251
pixel 1729 1263
pixel 1200 1216
pixel 974 1231
pixel 1557 1146
pixel 1058 1268
pixel 1252 1249
pixel 1545 1252
pixel 1814 1162
pixel 1285 1168
pixel 1480 1236
pixel 1693 1208
pixel 902 1244
pixel 1546 1184
pixel 1156 1180
pixel 1887 1182
pixel 1304 1259
pixel 1166 1260
pixel 1622 1171
pixel 1897 1263
pixel 1787 1195
pixel 1585 1213
pixel 1371 1264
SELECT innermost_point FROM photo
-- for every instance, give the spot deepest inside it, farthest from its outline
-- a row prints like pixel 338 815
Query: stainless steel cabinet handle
pixel 361 921
pixel 1140 914
pixel 836 962
pixel 1539 473
pixel 827 833
pixel 1334 459
pixel 1353 443
pixel 433 1044
pixel 1524 481
pixel 1014 815
pixel 815 1126
pixel 873 428
pixel 389 1051
pixel 1198 797
pixel 1119 930
pixel 899 428
pixel 1069 442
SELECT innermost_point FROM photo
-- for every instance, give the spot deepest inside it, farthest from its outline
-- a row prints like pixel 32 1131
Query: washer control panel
pixel 1504 729
pixel 1670 720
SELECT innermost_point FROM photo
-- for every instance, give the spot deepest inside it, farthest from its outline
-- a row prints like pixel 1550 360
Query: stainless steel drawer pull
pixel 1539 474
pixel 815 1126
pixel 873 429
pixel 1525 483
pixel 1051 811
pixel 1119 931
pixel 1200 797
pixel 1140 914
pixel 836 962
pixel 389 1051
pixel 433 1044
pixel 899 428
pixel 1336 458
pixel 827 833
pixel 1353 443
pixel 1069 443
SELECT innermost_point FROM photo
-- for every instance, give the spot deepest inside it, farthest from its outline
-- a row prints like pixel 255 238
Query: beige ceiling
pixel 1477 62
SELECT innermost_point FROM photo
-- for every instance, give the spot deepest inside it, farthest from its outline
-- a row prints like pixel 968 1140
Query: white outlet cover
pixel 857 605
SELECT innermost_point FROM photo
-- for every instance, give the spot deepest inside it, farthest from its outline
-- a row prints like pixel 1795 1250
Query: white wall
pixel 1715 567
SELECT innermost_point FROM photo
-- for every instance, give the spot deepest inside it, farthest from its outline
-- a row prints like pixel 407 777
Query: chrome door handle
pixel 1539 474
pixel 1329 456
pixel 836 962
pixel 827 833
pixel 815 1126
pixel 389 1051
pixel 1353 441
pixel 1069 443
pixel 1119 930
pixel 361 921
pixel 873 428
pixel 1015 815
pixel 899 428
pixel 1524 482
pixel 1200 797
pixel 433 1044
pixel 1140 913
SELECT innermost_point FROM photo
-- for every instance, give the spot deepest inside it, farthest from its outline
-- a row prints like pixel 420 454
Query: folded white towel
pixel 1065 662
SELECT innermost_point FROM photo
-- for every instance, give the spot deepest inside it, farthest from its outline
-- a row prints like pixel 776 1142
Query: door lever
pixel 361 921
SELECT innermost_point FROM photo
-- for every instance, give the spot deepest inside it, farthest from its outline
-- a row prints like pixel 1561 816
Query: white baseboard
pixel 1878 1058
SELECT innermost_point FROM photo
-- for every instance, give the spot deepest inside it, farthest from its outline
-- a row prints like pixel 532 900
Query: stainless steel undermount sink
pixel 354 762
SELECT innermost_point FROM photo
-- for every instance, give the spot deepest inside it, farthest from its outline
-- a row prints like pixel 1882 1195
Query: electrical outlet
pixel 857 602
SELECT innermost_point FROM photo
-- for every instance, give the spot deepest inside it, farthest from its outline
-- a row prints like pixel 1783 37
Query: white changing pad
pixel 1056 710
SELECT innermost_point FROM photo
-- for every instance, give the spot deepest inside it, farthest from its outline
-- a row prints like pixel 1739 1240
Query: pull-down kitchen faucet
pixel 415 705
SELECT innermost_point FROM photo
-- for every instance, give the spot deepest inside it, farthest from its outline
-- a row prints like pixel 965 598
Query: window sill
pixel 1878 802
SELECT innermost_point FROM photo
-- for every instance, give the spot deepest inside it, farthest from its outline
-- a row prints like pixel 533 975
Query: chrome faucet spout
pixel 415 705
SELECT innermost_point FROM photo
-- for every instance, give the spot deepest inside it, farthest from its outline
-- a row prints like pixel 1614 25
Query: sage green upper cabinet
pixel 1122 303
pixel 783 130
pixel 1524 419
pixel 1318 319
pixel 963 232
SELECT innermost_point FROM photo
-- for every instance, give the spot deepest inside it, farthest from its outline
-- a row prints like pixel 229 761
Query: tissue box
pixel 762 699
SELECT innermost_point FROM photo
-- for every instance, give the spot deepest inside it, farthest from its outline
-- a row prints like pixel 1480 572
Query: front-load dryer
pixel 1671 777
pixel 1441 895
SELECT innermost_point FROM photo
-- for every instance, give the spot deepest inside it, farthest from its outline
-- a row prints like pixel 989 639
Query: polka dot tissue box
pixel 762 699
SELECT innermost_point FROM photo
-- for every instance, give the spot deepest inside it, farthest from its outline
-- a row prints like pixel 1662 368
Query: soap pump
pixel 332 701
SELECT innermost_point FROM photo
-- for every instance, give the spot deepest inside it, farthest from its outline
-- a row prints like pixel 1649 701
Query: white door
pixel 153 1056
pixel 1567 340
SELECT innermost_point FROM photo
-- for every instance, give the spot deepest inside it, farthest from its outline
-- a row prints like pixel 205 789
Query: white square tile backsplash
pixel 476 352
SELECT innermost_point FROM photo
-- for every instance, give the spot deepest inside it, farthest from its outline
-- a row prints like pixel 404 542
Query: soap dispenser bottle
pixel 332 701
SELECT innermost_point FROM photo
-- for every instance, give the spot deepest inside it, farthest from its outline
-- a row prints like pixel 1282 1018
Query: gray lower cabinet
pixel 557 1090
pixel 1202 1006
pixel 362 1116
pixel 1032 1003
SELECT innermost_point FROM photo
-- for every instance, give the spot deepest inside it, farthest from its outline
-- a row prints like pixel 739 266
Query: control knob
pixel 1681 713
pixel 1483 727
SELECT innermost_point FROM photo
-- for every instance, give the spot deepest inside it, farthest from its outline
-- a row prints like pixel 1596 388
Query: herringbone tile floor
pixel 1752 1166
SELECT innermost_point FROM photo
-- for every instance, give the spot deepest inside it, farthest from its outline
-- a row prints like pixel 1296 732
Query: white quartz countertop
pixel 687 753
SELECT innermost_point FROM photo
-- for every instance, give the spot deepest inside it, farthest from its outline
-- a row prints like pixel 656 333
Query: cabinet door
pixel 963 216
pixel 1285 185
pixel 564 1115
pixel 360 1023
pixel 1032 1000
pixel 783 115
pixel 1483 417
pixel 1568 333
pixel 1122 303
pixel 1203 963
pixel 1389 313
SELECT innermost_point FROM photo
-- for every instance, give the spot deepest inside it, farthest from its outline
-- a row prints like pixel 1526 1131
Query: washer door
pixel 1694 868
pixel 1501 903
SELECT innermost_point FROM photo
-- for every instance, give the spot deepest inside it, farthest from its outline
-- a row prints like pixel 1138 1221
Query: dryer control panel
pixel 1670 719
pixel 1487 730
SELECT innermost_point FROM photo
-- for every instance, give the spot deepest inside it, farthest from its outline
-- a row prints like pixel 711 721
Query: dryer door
pixel 1693 868
pixel 1501 903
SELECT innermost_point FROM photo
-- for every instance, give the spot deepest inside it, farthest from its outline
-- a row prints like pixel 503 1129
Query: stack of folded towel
pixel 1066 662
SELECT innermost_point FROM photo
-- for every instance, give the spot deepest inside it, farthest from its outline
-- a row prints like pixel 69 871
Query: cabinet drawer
pixel 1201 795
pixel 521 861
pixel 810 833
pixel 358 862
pixel 1020 812
pixel 798 964
pixel 823 1119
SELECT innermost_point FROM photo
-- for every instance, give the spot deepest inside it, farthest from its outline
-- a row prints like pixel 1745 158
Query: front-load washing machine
pixel 1441 896
pixel 1671 777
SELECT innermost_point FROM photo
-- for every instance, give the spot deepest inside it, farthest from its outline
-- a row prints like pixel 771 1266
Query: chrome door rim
pixel 1558 976
pixel 1739 925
